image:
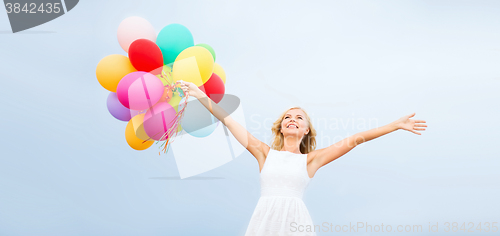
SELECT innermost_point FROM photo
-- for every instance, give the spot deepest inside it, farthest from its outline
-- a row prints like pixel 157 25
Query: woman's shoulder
pixel 266 150
pixel 311 155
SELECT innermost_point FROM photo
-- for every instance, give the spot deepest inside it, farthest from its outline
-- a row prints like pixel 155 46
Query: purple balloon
pixel 116 109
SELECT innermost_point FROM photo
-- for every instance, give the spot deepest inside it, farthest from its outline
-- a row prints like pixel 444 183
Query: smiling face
pixel 294 123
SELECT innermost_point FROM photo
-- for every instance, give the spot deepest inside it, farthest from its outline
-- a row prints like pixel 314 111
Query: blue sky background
pixel 66 169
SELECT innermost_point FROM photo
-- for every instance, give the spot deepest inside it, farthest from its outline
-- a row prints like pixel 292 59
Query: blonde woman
pixel 288 165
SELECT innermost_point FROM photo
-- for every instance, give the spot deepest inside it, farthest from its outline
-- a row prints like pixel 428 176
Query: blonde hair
pixel 308 143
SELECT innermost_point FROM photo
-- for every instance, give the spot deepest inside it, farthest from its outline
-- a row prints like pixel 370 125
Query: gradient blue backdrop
pixel 66 169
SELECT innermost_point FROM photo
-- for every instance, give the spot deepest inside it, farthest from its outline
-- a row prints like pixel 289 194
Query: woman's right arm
pixel 257 148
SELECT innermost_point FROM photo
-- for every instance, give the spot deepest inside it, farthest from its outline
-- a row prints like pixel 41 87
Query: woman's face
pixel 294 123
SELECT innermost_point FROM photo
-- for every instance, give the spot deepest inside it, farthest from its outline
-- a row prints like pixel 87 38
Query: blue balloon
pixel 172 40
pixel 204 132
pixel 197 120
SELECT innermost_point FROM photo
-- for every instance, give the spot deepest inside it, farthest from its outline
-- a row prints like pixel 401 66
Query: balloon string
pixel 173 130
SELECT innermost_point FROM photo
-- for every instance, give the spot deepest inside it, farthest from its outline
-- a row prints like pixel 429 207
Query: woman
pixel 287 167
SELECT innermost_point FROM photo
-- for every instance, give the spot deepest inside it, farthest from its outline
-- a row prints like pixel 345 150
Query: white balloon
pixel 133 28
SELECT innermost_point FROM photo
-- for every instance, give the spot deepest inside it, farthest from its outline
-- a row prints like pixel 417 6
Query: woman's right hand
pixel 191 89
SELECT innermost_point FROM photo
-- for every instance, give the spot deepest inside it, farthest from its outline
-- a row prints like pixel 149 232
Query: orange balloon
pixel 167 95
pixel 111 69
pixel 134 130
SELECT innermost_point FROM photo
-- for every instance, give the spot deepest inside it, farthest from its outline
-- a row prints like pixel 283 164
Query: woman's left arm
pixel 326 155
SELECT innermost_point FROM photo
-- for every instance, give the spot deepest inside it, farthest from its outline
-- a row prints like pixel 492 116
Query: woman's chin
pixel 291 133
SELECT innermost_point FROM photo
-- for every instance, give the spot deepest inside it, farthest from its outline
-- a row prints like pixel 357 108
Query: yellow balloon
pixel 174 101
pixel 135 134
pixel 111 69
pixel 166 76
pixel 195 64
pixel 220 72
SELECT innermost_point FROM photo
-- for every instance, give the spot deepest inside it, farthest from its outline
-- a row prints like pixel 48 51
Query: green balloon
pixel 172 40
pixel 207 47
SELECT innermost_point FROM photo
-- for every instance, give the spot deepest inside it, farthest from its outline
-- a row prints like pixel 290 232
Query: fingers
pixel 420 125
pixel 184 86
pixel 420 129
pixel 416 132
pixel 416 121
pixel 184 83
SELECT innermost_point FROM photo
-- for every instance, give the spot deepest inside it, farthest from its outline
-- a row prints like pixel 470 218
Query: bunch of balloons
pixel 144 88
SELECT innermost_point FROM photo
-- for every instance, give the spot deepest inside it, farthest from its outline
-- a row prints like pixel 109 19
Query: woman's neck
pixel 293 148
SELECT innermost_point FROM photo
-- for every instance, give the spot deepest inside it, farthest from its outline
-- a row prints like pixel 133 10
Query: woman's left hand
pixel 411 125
pixel 191 89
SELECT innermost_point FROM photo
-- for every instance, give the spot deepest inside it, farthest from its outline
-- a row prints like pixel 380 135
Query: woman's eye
pixel 300 118
pixel 286 117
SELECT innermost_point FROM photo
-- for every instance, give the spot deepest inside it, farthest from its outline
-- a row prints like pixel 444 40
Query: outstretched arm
pixel 326 155
pixel 258 149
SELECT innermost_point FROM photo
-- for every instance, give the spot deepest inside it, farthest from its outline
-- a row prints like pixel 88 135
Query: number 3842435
pixel 33 8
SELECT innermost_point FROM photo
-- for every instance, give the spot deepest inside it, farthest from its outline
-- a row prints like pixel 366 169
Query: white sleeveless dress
pixel 280 210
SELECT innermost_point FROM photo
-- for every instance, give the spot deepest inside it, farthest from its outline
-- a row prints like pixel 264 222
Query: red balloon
pixel 214 88
pixel 146 56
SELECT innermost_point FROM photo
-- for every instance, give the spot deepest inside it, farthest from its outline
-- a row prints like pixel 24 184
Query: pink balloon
pixel 158 120
pixel 139 90
pixel 133 28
